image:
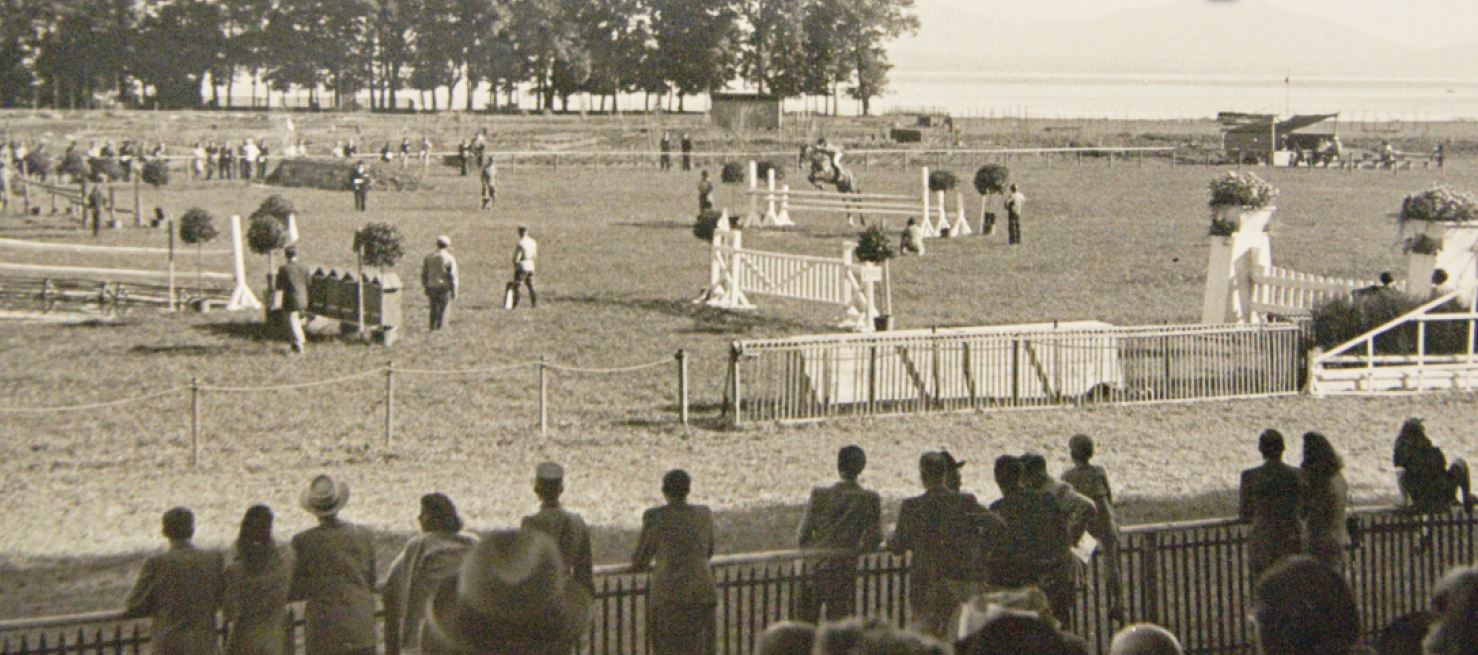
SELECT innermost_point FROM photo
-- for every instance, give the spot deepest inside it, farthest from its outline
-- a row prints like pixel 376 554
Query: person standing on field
pixel 359 183
pixel 292 281
pixel 665 145
pixel 687 146
pixel 439 279
pixel 1015 203
pixel 489 184
pixel 524 256
pixel 705 193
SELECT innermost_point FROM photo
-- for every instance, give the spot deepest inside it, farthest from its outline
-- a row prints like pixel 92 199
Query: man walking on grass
pixel 489 183
pixel 524 256
pixel 1015 203
pixel 359 183
pixel 292 283
pixel 705 193
pixel 439 279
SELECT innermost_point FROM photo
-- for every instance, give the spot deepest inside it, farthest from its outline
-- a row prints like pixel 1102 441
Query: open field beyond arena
pixel 619 265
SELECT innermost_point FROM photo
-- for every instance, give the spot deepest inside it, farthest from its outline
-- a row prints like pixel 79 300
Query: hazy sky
pixel 1422 23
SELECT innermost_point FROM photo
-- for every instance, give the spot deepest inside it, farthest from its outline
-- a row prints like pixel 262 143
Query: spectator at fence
pixel 180 590
pixel 566 528
pixel 1325 497
pixel 97 201
pixel 479 148
pixel 872 636
pixel 1035 533
pixel 1092 481
pixel 405 151
pixel 227 164
pixel 1145 639
pixel 1427 482
pixel 1058 573
pixel 439 280
pixel 429 558
pixel 705 193
pixel 254 596
pixel 939 528
pixel 1405 634
pixel 1455 604
pixel 510 597
pixel 664 162
pixel 334 571
pixel 1013 632
pixel 786 638
pixel 1386 283
pixel 249 155
pixel 291 296
pixel 489 184
pixel 1269 499
pixel 1015 204
pixel 676 543
pixel 359 183
pixel 1302 607
pixel 1439 283
pixel 846 517
pixel 525 257
pixel 687 147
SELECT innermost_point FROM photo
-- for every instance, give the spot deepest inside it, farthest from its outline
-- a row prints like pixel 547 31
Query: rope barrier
pixel 622 369
pixel 300 385
pixel 464 371
pixel 79 408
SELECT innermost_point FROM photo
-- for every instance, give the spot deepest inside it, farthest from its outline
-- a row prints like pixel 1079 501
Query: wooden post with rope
pixel 389 403
pixel 194 422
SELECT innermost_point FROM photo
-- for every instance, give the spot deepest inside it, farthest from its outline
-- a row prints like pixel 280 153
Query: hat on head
pixel 290 251
pixel 444 241
pixel 511 596
pixel 325 496
pixel 549 471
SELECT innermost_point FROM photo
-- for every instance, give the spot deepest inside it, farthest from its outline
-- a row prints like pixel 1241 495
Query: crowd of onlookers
pixel 983 579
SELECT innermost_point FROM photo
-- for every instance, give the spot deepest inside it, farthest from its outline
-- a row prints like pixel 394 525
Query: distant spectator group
pixel 982 580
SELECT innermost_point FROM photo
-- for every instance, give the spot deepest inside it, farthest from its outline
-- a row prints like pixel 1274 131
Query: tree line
pixel 185 53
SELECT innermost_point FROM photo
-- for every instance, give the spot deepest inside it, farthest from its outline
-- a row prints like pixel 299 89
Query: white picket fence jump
pixel 1283 292
pixel 1354 367
pixel 781 200
pixel 735 273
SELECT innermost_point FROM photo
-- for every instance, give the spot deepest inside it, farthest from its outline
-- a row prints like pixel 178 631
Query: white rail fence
pixel 735 273
pixel 929 208
pixel 1284 292
pixel 1430 348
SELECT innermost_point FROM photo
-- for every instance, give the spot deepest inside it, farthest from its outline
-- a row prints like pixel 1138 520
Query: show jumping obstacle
pixel 736 273
pixel 782 200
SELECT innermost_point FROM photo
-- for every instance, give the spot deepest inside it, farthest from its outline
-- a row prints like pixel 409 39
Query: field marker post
pixel 543 396
pixel 170 228
pixel 682 384
pixel 113 207
pixel 138 200
pixel 389 403
pixel 194 422
pixel 25 187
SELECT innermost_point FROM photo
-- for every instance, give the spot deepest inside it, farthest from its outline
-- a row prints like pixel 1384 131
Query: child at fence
pixel 1092 481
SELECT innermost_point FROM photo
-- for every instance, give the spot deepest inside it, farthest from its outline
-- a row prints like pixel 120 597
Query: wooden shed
pixel 745 111
pixel 1259 136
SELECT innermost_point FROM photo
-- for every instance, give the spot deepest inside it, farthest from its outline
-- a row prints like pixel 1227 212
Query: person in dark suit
pixel 687 147
pixel 844 517
pixel 1037 547
pixel 1270 498
pixel 566 528
pixel 292 281
pixel 940 527
pixel 682 596
pixel 334 572
pixel 359 183
pixel 180 589
pixel 664 161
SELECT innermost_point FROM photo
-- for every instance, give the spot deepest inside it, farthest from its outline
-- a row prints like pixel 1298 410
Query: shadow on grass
pixel 706 320
pixel 181 349
pixel 657 225
pixel 102 323
pixel 248 330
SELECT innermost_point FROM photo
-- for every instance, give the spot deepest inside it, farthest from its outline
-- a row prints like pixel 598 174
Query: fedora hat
pixel 511 596
pixel 325 496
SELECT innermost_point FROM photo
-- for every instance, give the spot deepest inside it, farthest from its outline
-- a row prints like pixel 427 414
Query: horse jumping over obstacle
pixel 780 201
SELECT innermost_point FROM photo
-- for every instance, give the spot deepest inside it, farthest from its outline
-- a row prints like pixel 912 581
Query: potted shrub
pixel 763 168
pixel 197 227
pixel 1240 201
pixel 707 223
pixel 732 173
pixel 378 245
pixel 156 173
pixel 990 180
pixel 873 247
pixel 1440 229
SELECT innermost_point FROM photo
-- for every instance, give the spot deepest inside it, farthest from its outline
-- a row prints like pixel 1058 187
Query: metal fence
pixel 917 371
pixel 1190 577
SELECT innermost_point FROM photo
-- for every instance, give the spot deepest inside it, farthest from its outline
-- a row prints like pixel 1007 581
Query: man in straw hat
pixel 511 597
pixel 334 572
pixel 180 590
pixel 439 279
pixel 565 527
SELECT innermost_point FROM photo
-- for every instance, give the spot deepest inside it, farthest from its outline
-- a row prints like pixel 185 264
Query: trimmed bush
pixel 156 173
pixel 197 226
pixel 906 135
pixel 992 179
pixel 732 172
pixel 873 245
pixel 107 167
pixel 1338 321
pixel 380 245
pixel 707 223
pixel 943 181
pixel 1439 204
pixel 764 166
pixel 275 206
pixel 265 234
pixel 1245 190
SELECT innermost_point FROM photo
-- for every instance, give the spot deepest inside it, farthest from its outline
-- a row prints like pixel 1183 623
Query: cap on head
pixel 523 229
pixel 443 241
pixel 290 251
pixel 549 472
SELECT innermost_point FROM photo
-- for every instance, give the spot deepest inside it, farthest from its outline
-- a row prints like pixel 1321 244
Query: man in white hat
pixel 439 279
pixel 565 527
pixel 334 571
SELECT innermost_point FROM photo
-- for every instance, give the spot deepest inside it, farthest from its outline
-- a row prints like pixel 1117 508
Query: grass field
pixel 619 266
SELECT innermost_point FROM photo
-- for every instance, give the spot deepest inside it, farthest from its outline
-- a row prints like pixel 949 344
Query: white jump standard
pixel 735 273
pixel 780 201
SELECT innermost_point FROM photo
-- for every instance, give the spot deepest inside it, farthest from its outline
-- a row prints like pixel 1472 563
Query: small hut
pixel 745 111
pixel 1312 138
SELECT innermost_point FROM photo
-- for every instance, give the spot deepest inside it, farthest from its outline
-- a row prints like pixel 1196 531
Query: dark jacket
pixel 573 537
pixel 844 516
pixel 1036 537
pixel 679 537
pixel 180 589
pixel 292 281
pixel 940 528
pixel 1271 495
pixel 255 604
pixel 335 573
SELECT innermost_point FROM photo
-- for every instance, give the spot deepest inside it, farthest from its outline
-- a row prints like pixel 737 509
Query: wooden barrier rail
pixel 735 273
pixel 1283 292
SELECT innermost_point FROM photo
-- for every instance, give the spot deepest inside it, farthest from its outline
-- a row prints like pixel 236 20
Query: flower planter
pixel 1232 260
pixel 1457 255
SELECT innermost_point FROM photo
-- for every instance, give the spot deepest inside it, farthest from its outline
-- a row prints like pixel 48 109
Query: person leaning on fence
pixel 489 180
pixel 359 183
pixel 439 280
pixel 510 597
pixel 676 543
pixel 566 528
pixel 843 517
pixel 428 558
pixel 180 590
pixel 334 571
pixel 291 296
pixel 254 597
pixel 1015 205
pixel 1386 283
pixel 1092 481
pixel 939 528
pixel 97 201
pixel 1428 484
pixel 1057 573
pixel 1325 499
pixel 525 258
pixel 1301 607
pixel 705 193
pixel 1269 498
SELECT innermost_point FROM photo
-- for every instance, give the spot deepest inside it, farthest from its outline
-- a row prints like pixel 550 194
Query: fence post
pixel 138 200
pixel 682 385
pixel 113 207
pixel 194 422
pixel 543 397
pixel 734 354
pixel 1150 570
pixel 389 403
pixel 25 187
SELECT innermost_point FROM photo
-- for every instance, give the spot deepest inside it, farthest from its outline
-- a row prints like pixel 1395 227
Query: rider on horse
pixel 826 168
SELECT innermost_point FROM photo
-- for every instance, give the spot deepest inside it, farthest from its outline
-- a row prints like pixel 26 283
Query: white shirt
pixel 525 253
